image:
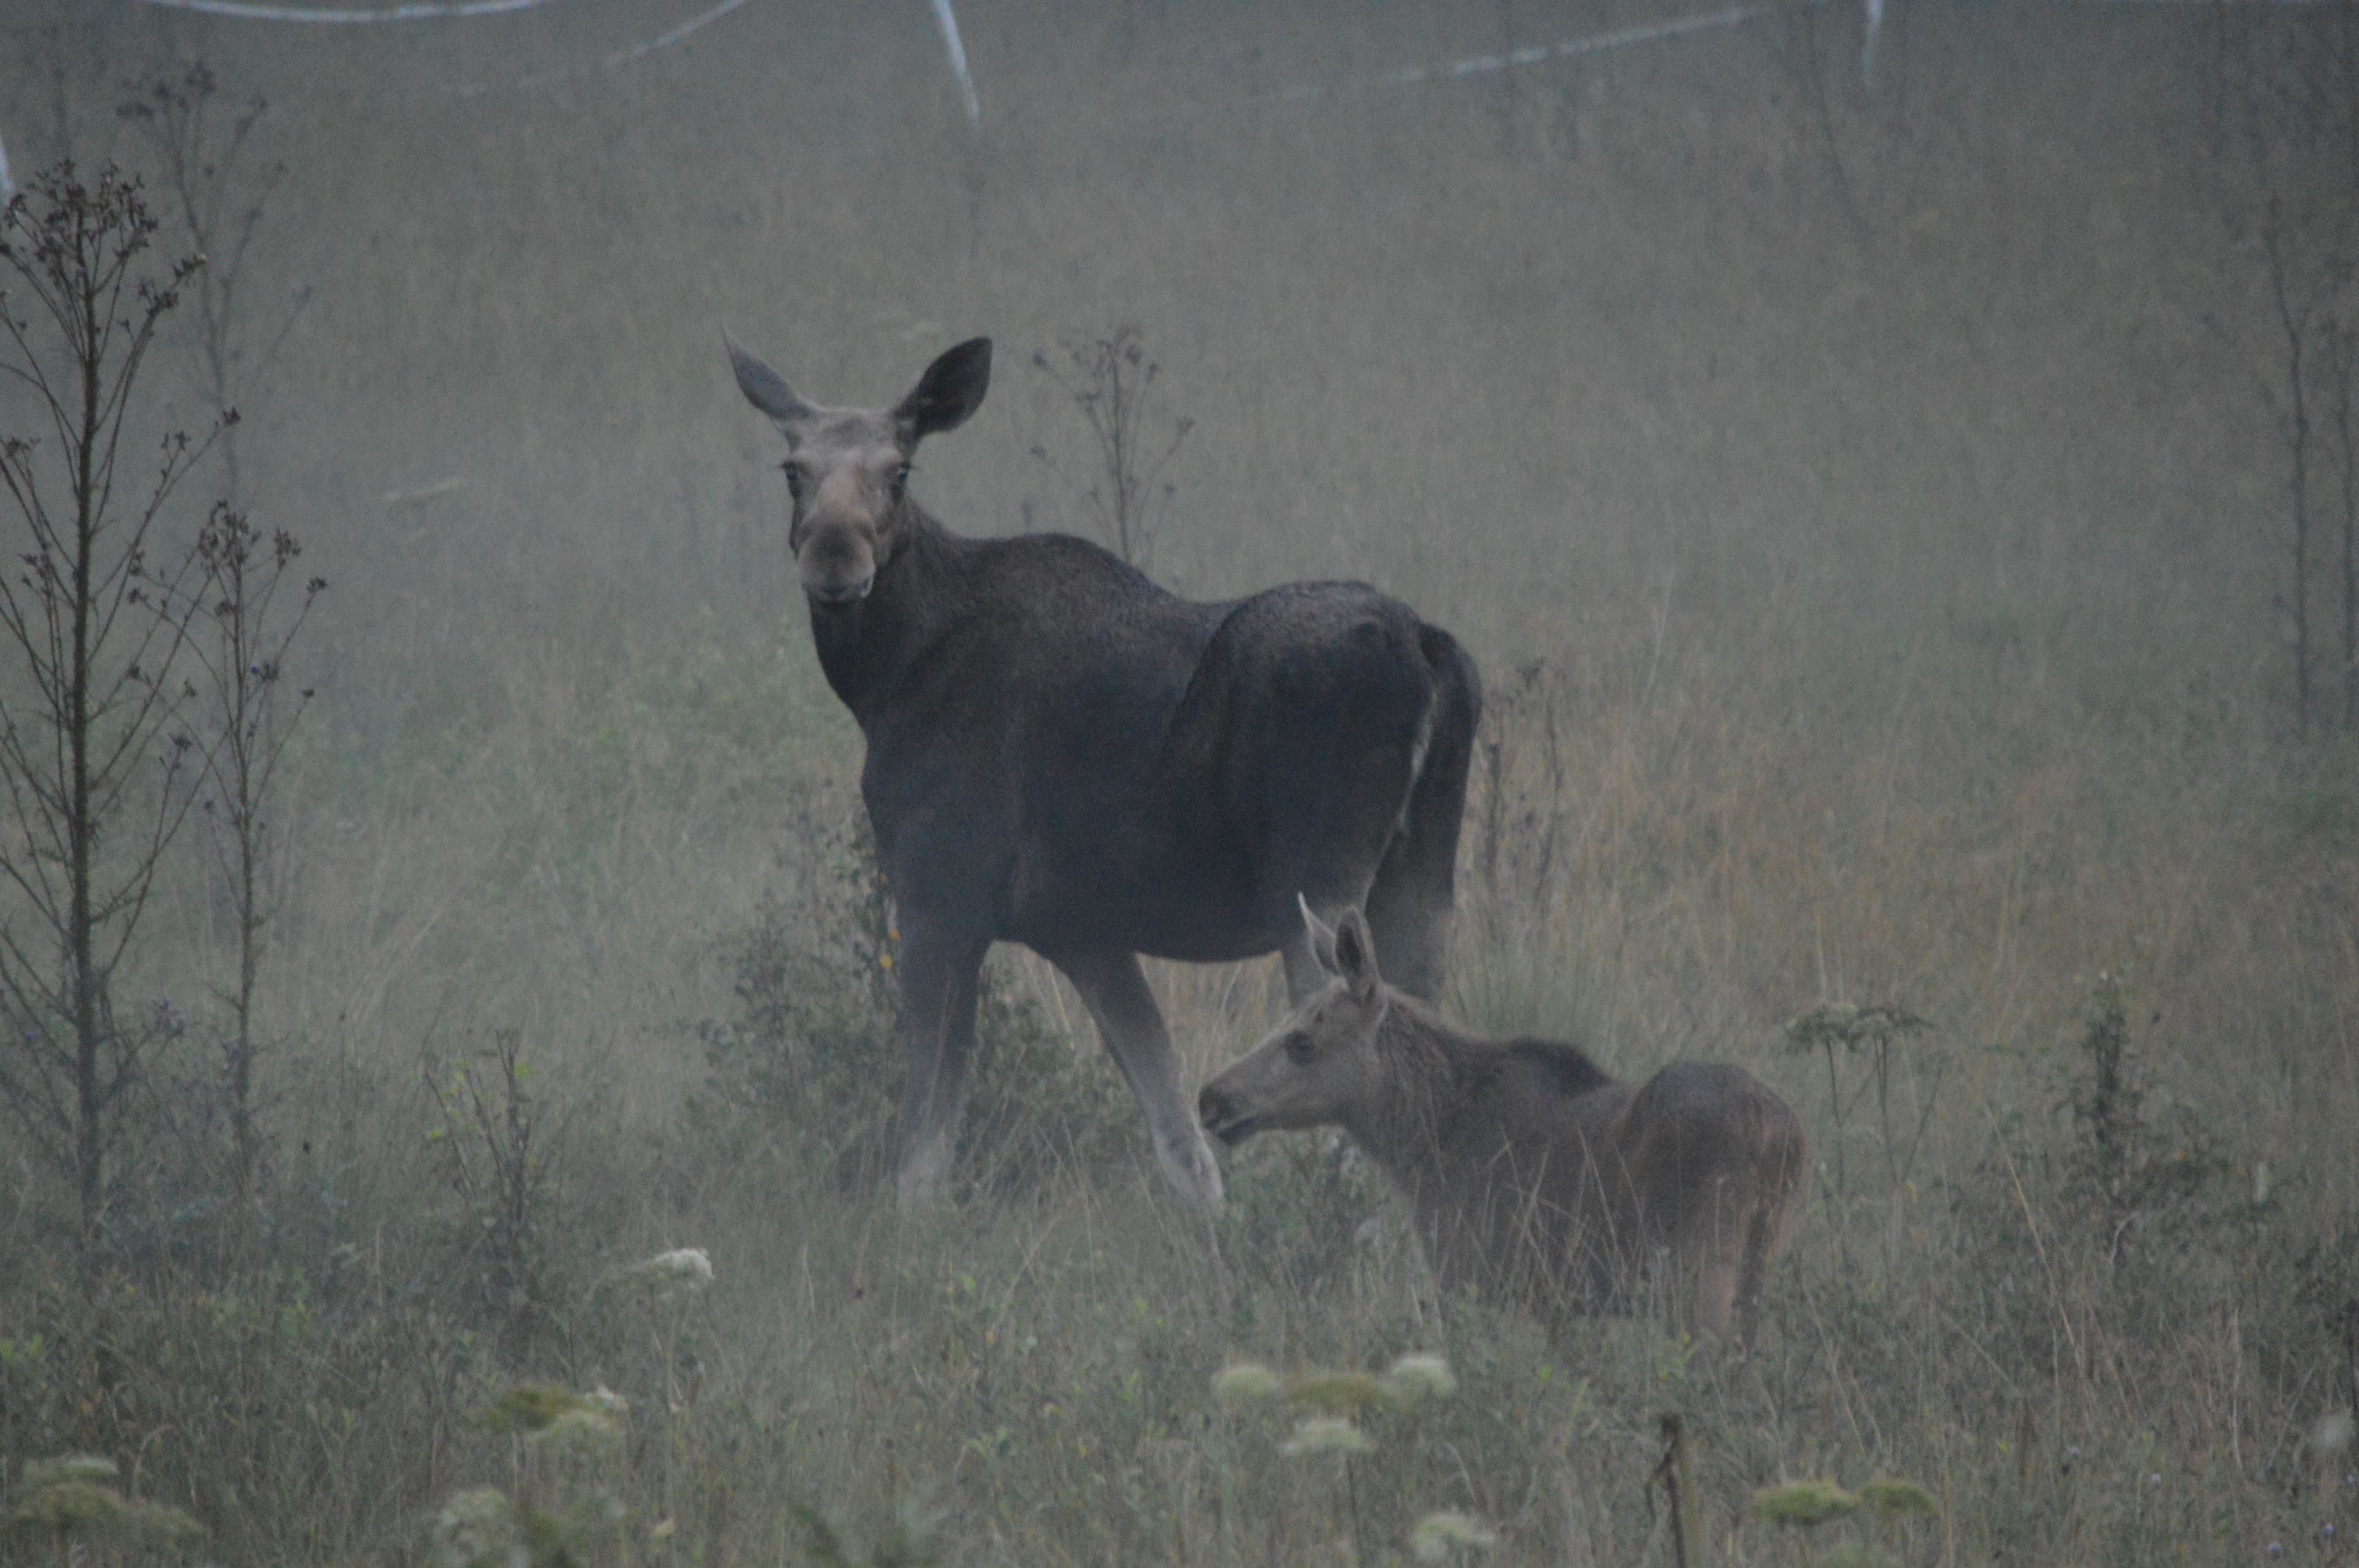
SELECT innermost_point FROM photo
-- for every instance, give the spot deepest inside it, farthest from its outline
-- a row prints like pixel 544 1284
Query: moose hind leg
pixel 1409 906
pixel 1409 913
pixel 1113 988
pixel 939 980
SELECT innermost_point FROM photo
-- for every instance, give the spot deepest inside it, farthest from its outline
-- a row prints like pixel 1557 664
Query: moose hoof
pixel 1192 1170
pixel 924 1186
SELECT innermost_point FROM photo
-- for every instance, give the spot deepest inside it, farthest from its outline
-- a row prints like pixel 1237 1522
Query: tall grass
pixel 1874 606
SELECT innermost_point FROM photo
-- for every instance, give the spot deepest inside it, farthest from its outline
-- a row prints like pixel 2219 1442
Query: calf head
pixel 1319 1068
pixel 848 468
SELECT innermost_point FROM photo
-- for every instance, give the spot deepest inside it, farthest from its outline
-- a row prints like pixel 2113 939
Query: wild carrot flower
pixel 69 1497
pixel 43 1473
pixel 1803 1504
pixel 1419 1374
pixel 1326 1434
pixel 684 1271
pixel 546 1413
pixel 1245 1382
pixel 1440 1535
pixel 478 1529
pixel 1338 1393
pixel 1893 1498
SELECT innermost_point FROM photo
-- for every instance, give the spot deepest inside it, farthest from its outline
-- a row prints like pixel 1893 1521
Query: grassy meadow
pixel 1868 504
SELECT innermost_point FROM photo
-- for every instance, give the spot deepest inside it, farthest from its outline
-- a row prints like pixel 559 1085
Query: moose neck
pixel 864 646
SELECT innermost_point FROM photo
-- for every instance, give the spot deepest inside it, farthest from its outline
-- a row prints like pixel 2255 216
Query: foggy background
pixel 1874 489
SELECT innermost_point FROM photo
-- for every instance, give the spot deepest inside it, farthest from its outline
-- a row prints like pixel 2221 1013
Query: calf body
pixel 1531 1171
pixel 1063 755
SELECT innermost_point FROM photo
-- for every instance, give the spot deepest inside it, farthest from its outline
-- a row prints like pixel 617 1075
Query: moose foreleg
pixel 1113 988
pixel 939 977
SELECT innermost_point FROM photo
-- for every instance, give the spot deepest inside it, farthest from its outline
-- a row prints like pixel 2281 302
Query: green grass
pixel 1873 570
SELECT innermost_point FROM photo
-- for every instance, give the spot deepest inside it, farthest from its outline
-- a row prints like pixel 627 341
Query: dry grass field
pixel 1869 508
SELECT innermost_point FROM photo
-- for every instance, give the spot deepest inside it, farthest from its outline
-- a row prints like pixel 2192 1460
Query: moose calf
pixel 1532 1172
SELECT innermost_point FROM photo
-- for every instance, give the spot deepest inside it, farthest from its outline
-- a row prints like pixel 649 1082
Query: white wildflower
pixel 1245 1382
pixel 1326 1434
pixel 1439 1535
pixel 478 1529
pixel 1420 1373
pixel 684 1271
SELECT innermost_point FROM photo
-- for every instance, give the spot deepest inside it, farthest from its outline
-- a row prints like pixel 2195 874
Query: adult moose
pixel 1531 1171
pixel 1063 755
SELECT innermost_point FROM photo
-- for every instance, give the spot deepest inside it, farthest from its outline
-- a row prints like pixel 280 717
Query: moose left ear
pixel 950 392
pixel 1356 956
pixel 767 390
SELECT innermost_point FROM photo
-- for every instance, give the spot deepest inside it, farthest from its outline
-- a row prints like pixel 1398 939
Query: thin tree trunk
pixel 2344 418
pixel 2297 482
pixel 89 1100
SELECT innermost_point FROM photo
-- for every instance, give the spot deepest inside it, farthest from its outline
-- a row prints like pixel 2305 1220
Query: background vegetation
pixel 1875 508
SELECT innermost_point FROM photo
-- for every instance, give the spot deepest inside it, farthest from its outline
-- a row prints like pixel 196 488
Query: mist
pixel 1897 489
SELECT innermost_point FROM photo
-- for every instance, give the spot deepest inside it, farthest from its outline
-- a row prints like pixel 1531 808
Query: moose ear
pixel 1356 956
pixel 765 389
pixel 949 393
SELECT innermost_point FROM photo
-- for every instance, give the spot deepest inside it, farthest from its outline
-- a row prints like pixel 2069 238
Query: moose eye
pixel 900 479
pixel 794 480
pixel 1299 1047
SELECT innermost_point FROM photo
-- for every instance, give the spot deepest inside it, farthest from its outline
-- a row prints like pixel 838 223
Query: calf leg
pixel 939 977
pixel 1113 988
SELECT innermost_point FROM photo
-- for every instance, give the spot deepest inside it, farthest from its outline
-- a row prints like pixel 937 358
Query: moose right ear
pixel 765 389
pixel 950 392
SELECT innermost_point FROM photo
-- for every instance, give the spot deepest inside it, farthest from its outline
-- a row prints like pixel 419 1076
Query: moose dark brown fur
pixel 1063 755
pixel 1531 1171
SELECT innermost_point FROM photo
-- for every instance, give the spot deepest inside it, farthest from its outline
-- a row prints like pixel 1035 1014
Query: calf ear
pixel 949 393
pixel 1323 936
pixel 765 389
pixel 1356 956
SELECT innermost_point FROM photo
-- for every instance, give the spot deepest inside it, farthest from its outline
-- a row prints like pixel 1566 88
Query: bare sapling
pixel 2346 425
pixel 2287 109
pixel 247 592
pixel 218 195
pixel 92 753
pixel 1112 381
